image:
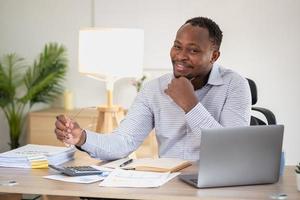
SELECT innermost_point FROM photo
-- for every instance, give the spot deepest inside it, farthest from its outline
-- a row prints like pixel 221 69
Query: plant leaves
pixel 43 80
pixel 10 78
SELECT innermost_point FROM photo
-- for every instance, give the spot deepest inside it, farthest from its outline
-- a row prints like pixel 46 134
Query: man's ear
pixel 215 55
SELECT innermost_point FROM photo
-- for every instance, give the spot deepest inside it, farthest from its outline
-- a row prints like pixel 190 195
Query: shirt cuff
pixel 89 145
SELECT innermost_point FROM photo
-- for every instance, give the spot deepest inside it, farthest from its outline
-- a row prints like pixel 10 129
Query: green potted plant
pixel 298 176
pixel 23 86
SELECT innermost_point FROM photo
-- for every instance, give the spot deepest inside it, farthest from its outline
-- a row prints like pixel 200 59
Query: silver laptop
pixel 238 156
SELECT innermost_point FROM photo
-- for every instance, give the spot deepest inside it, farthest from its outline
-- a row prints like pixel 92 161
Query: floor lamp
pixel 109 54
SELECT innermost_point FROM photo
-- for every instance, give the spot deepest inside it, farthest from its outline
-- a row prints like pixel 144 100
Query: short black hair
pixel 214 30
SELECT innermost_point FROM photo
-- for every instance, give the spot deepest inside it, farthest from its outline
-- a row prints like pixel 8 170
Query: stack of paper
pixel 36 156
pixel 37 161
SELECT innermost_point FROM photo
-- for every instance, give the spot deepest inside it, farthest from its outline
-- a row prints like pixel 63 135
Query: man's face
pixel 193 52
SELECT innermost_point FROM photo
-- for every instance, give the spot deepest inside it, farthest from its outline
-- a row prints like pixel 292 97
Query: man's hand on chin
pixel 182 92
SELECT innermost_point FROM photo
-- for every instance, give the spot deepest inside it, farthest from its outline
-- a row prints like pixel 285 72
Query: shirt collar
pixel 215 77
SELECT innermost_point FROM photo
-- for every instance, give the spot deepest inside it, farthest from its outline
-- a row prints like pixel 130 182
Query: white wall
pixel 260 41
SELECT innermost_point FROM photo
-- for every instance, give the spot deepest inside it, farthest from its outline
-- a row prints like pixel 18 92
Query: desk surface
pixel 31 181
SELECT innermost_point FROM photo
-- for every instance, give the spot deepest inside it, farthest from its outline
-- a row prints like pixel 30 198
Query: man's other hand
pixel 69 131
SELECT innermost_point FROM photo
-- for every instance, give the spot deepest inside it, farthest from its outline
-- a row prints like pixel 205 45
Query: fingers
pixel 177 83
pixel 60 135
pixel 62 122
pixel 66 130
pixel 71 124
pixel 62 126
pixel 69 139
pixel 62 118
pixel 167 89
pixel 170 87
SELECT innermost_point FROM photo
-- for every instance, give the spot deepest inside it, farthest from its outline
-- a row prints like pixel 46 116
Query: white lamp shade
pixel 110 54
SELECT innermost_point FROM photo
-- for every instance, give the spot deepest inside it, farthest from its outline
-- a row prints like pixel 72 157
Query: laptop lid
pixel 239 156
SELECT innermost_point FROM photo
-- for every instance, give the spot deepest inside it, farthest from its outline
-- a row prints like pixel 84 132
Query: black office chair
pixel 270 117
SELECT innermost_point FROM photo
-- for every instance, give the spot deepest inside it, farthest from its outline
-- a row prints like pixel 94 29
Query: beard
pixel 187 76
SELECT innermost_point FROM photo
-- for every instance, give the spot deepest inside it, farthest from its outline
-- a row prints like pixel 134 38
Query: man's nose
pixel 182 55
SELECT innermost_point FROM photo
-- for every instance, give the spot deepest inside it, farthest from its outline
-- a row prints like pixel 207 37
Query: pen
pixel 126 163
pixel 8 183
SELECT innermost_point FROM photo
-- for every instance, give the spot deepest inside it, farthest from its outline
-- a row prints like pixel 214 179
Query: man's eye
pixel 176 47
pixel 194 50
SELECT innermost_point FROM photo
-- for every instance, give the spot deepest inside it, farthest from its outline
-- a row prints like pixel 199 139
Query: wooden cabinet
pixel 41 124
pixel 41 128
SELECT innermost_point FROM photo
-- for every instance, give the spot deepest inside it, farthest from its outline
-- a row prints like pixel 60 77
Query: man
pixel 199 94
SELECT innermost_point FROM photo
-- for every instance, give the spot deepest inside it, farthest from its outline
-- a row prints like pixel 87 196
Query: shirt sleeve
pixel 236 109
pixel 130 134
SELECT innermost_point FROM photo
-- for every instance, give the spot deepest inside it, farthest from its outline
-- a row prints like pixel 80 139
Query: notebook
pixel 238 156
pixel 151 164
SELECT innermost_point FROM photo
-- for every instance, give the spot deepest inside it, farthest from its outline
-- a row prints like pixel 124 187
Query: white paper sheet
pixel 76 179
pixel 131 178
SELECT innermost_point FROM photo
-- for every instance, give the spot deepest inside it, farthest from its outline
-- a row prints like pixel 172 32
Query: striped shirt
pixel 225 101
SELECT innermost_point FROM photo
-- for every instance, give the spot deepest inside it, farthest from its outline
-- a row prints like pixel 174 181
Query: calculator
pixel 77 170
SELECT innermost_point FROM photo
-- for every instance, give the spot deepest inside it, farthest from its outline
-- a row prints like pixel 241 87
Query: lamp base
pixel 109 118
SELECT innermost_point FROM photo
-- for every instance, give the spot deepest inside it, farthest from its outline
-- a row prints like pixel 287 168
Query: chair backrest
pixel 269 115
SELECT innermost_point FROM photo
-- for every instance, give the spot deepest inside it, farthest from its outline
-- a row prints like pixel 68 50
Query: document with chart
pixel 132 178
